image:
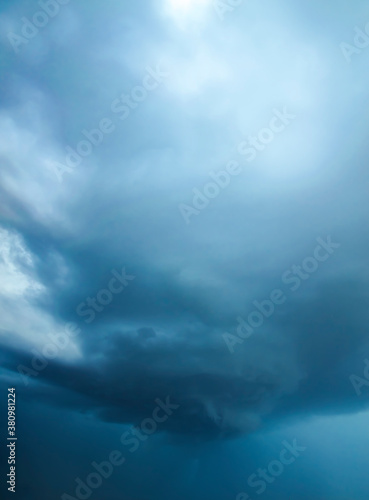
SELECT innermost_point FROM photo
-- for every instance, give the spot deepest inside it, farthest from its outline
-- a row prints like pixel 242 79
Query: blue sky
pixel 183 215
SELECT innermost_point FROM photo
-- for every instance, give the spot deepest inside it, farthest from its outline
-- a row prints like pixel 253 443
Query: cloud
pixel 163 335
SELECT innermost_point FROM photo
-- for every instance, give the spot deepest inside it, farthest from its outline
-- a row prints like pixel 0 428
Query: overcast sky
pixel 184 245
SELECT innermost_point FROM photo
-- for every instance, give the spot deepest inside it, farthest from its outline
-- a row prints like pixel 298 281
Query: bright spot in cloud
pixel 14 261
pixel 195 76
pixel 187 5
pixel 185 10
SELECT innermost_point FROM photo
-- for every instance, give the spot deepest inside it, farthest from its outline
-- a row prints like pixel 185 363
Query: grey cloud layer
pixel 163 335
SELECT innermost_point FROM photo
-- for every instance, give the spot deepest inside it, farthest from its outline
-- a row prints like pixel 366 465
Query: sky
pixel 184 249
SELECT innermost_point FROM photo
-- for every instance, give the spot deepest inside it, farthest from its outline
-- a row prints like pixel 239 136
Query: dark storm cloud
pixel 301 364
pixel 162 336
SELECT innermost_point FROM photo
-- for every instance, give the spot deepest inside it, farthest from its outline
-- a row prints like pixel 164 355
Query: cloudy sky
pixel 184 248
